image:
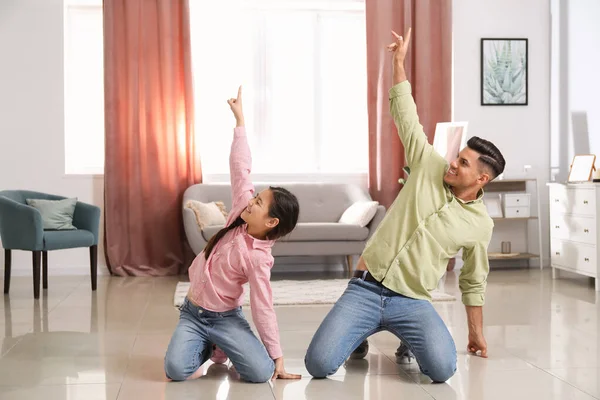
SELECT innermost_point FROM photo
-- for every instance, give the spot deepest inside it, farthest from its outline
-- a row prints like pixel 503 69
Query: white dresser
pixel 574 227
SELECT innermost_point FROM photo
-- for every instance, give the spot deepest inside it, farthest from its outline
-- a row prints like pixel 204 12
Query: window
pixel 84 87
pixel 302 65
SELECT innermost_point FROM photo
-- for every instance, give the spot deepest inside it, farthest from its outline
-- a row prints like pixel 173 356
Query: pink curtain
pixel 429 70
pixel 150 148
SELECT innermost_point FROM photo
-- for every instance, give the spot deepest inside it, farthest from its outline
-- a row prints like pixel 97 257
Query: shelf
pixel 521 218
pixel 508 185
pixel 512 180
pixel 520 256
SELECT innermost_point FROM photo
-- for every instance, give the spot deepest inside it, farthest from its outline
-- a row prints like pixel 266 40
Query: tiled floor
pixel 72 344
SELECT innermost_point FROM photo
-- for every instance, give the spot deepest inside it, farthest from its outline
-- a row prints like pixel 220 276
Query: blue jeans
pixel 366 308
pixel 196 332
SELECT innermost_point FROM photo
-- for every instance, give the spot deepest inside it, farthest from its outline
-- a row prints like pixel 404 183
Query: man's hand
pixel 236 107
pixel 280 371
pixel 400 48
pixel 477 343
pixel 476 340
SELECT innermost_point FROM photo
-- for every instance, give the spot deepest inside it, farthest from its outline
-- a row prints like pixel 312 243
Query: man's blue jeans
pixel 366 308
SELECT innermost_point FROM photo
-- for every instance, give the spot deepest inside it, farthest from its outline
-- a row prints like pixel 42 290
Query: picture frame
pixel 582 168
pixel 504 72
pixel 494 207
pixel 450 138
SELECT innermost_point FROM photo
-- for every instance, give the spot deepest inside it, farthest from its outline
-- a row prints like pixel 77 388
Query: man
pixel 438 212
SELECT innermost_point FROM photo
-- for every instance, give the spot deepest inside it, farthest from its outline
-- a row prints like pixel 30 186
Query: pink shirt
pixel 216 283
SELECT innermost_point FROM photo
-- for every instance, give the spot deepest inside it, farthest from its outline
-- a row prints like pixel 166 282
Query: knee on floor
pixel 318 366
pixel 442 371
pixel 258 374
pixel 176 371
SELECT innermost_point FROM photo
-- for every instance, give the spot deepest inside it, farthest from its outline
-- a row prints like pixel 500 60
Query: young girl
pixel 211 323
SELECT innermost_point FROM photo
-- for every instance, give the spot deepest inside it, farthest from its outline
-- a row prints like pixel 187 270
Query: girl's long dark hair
pixel 284 207
pixel 213 240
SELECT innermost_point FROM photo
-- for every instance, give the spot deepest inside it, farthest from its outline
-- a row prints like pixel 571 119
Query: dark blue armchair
pixel 21 229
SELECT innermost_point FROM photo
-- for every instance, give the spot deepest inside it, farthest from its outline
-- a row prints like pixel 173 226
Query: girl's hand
pixel 280 371
pixel 236 107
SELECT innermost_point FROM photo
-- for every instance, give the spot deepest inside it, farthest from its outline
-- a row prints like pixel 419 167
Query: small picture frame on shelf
pixel 494 207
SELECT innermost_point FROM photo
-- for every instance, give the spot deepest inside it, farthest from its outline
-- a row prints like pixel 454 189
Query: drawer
pixel 516 212
pixel 557 253
pixel 588 261
pixel 584 202
pixel 573 228
pixel 558 227
pixel 573 256
pixel 558 200
pixel 582 229
pixel 517 200
pixel 573 201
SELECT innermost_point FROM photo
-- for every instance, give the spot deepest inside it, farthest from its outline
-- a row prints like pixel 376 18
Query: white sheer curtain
pixel 84 87
pixel 303 70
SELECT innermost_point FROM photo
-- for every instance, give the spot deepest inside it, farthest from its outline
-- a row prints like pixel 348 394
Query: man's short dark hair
pixel 490 156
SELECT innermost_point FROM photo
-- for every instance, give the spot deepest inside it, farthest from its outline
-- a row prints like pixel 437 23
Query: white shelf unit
pixel 525 186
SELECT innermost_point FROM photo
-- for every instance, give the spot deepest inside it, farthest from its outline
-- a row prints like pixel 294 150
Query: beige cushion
pixel 360 213
pixel 208 214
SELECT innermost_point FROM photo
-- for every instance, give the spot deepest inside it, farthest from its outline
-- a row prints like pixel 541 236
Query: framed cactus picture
pixel 504 79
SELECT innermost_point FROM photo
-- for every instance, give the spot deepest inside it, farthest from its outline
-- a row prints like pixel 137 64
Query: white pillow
pixel 360 213
pixel 208 214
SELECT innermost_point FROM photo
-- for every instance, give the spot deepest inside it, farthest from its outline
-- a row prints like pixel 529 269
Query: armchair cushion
pixel 56 214
pixel 56 240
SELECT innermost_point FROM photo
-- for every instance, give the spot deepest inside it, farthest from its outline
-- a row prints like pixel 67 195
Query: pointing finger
pixel 408 34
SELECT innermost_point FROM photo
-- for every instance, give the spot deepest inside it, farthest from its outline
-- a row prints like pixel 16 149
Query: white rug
pixel 286 293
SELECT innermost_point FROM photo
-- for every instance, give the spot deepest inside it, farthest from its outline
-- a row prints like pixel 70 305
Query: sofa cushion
pixel 326 231
pixel 319 202
pixel 360 213
pixel 311 232
pixel 208 214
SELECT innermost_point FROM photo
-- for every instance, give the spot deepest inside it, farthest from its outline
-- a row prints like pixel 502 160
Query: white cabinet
pixel 574 223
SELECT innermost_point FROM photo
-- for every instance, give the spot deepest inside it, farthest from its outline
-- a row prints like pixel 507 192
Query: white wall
pixel 575 122
pixel 31 119
pixel 520 132
pixel 584 79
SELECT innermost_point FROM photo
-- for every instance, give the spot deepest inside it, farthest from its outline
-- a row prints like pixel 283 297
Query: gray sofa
pixel 318 231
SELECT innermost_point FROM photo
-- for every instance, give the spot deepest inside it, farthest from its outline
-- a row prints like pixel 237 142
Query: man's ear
pixel 483 178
